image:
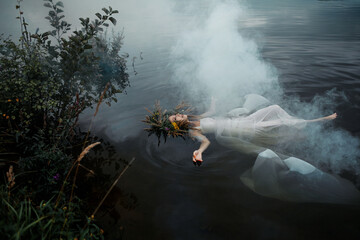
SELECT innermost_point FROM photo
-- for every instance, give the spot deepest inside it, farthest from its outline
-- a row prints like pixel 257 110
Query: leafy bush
pixel 45 171
pixel 44 86
pixel 46 81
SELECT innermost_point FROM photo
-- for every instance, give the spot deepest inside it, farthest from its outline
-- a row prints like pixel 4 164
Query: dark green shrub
pixel 45 171
pixel 46 81
pixel 45 85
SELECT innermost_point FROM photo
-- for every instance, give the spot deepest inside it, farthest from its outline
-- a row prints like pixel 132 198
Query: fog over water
pixel 301 55
pixel 214 58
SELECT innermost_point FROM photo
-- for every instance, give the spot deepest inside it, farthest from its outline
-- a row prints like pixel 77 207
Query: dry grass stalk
pixel 148 110
pixel 86 150
pixel 96 111
pixel 108 192
pixel 91 172
pixel 101 98
pixel 11 178
pixel 81 156
pixel 112 186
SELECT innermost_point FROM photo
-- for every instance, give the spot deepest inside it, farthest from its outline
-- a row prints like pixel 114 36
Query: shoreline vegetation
pixel 47 80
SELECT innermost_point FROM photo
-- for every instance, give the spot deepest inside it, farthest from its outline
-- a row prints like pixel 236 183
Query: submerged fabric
pixel 293 179
pixel 257 126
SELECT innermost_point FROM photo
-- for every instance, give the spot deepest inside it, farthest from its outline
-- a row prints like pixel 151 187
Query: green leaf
pixel 105 24
pixel 17 6
pixel 113 20
pixel 60 4
pixel 21 211
pixel 87 46
pixel 98 15
pixel 33 223
pixel 105 10
pixel 48 223
pixel 10 207
pixel 47 5
pixel 115 11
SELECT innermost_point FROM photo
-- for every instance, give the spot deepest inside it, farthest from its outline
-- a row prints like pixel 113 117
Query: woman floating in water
pixel 265 127
pixel 253 129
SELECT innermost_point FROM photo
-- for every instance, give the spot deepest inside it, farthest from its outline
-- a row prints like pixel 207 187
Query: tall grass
pixel 55 219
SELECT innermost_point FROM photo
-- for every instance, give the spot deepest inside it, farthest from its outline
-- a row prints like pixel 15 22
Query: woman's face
pixel 178 117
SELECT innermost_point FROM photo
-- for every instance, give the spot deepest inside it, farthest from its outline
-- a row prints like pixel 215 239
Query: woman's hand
pixel 197 158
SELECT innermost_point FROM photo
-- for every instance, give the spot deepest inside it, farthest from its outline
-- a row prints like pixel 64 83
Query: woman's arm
pixel 212 109
pixel 197 154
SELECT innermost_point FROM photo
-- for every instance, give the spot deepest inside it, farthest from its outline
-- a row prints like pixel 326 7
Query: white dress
pixel 286 178
pixel 268 126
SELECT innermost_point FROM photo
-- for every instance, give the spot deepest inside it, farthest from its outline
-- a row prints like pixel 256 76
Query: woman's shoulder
pixel 196 134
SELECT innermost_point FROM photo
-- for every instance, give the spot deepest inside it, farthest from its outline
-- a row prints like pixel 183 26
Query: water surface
pixel 313 46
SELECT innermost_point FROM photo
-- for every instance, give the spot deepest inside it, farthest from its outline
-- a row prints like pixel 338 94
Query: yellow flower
pixel 17 100
pixel 101 231
pixel 9 100
pixel 4 115
pixel 64 208
pixel 7 117
pixel 175 125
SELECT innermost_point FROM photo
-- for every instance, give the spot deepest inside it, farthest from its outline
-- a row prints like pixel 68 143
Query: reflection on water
pixel 315 46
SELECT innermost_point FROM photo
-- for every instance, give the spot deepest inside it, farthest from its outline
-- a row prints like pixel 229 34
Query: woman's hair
pixel 160 124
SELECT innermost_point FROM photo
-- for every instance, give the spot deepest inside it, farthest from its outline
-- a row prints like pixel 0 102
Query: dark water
pixel 315 47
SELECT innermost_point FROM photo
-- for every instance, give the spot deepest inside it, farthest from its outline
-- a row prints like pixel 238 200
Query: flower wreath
pixel 160 124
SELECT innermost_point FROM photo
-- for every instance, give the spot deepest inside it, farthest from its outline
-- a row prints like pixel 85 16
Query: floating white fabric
pixel 263 128
pixel 293 179
pixel 290 178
